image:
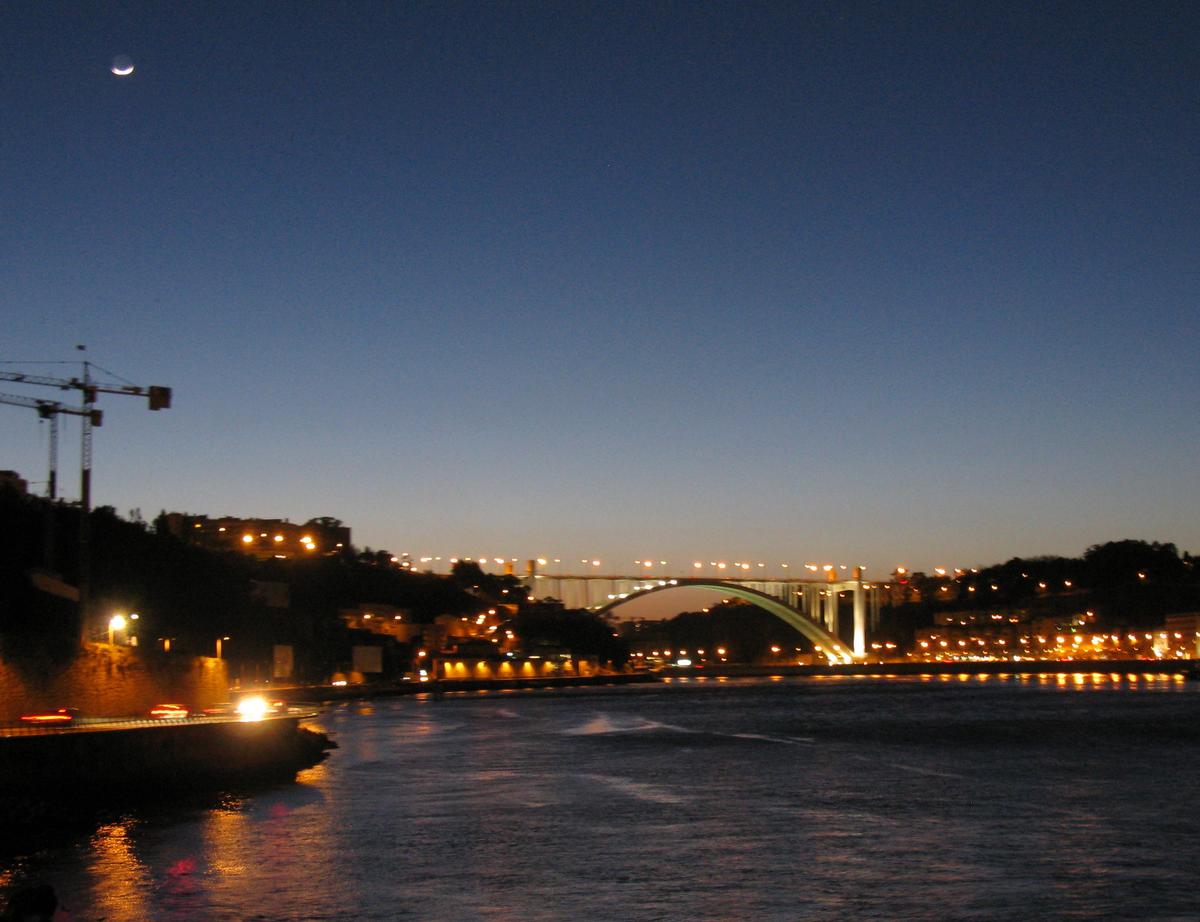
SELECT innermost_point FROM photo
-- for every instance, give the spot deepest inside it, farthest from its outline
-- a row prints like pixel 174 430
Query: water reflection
pixel 119 879
pixel 222 836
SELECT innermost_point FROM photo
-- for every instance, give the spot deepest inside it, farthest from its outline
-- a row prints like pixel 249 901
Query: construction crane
pixel 49 410
pixel 158 398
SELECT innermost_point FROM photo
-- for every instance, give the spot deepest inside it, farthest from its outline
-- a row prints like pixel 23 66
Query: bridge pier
pixel 831 610
pixel 860 619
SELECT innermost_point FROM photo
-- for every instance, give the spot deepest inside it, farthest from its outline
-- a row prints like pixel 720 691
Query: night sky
pixel 871 283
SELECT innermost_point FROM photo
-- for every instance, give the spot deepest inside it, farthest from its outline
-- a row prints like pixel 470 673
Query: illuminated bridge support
pixel 831 610
pixel 860 619
pixel 821 603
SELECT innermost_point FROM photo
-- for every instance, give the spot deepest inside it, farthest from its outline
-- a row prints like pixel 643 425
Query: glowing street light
pixel 115 623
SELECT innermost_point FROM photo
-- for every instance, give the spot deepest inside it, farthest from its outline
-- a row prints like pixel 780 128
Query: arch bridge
pixel 810 606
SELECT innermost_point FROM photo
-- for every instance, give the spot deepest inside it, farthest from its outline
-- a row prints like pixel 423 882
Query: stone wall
pixel 107 681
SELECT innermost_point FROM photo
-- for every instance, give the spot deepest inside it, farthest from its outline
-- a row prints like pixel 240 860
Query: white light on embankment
pixel 254 707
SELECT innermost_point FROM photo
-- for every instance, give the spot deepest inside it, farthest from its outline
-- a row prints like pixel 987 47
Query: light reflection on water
pixel 118 878
pixel 950 797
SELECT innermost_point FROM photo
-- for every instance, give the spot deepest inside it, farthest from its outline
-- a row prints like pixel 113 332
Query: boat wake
pixel 638 790
pixel 603 724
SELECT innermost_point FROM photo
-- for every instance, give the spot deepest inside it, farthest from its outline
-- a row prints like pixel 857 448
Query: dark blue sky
pixel 879 283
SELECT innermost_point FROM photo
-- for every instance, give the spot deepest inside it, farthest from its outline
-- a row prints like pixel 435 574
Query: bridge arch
pixel 816 634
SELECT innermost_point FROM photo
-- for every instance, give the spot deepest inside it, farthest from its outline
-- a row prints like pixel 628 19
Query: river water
pixel 1059 797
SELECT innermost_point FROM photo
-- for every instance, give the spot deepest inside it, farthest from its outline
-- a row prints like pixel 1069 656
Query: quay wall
pixel 88 760
pixel 104 680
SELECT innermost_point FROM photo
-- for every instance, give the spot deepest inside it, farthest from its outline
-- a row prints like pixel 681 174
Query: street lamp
pixel 115 623
pixel 219 639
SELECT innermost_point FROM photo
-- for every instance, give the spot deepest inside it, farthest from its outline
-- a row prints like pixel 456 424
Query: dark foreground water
pixel 1052 798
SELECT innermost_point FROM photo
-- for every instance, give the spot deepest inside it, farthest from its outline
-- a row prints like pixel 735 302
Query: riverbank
pixel 324 694
pixel 908 668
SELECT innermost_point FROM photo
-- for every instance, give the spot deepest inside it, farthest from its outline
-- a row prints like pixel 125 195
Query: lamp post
pixel 115 623
pixel 219 640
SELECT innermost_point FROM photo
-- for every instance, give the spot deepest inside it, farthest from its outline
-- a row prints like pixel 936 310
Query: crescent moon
pixel 123 71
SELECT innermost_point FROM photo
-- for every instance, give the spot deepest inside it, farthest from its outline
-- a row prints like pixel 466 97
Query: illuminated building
pixel 1182 635
pixel 382 619
pixel 260 538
